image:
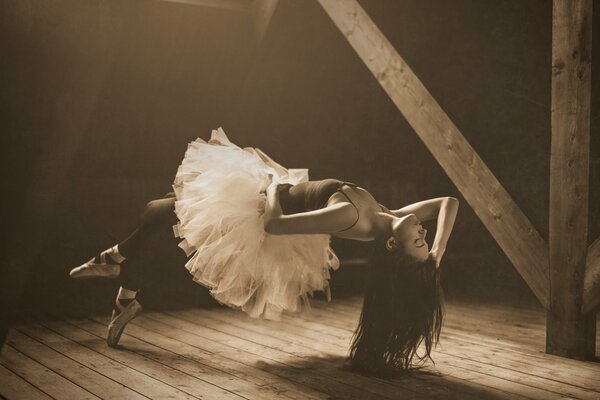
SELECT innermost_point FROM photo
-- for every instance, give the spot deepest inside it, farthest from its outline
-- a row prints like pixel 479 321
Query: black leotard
pixel 312 195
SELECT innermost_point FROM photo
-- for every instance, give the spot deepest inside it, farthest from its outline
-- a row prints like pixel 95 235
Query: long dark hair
pixel 402 309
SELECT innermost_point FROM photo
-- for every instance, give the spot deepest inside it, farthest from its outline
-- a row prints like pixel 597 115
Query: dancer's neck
pixel 382 225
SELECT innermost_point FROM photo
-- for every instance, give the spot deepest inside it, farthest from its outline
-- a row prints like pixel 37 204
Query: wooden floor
pixel 486 352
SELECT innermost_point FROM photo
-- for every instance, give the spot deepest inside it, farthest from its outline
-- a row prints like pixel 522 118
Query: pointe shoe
pixel 120 318
pixel 97 267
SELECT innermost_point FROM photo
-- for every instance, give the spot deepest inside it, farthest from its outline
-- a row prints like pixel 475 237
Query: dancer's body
pixel 290 257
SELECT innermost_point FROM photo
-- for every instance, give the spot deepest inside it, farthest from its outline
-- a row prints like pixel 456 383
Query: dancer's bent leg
pixel 157 213
pixel 104 265
pixel 158 216
pixel 108 263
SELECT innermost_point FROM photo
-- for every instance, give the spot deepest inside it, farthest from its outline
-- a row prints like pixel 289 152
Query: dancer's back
pixel 308 196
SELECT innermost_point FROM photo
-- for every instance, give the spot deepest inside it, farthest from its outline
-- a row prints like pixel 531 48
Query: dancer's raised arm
pixel 442 208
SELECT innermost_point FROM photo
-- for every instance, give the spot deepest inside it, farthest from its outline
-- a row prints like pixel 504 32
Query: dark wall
pixel 100 98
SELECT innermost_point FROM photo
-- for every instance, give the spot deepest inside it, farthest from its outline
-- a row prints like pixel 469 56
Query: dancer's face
pixel 409 237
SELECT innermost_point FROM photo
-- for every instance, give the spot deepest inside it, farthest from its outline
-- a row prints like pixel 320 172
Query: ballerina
pixel 257 235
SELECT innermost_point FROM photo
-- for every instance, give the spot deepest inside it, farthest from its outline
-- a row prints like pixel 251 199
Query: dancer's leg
pixel 158 215
pixel 136 276
pixel 104 265
pixel 128 247
pixel 108 263
pixel 128 261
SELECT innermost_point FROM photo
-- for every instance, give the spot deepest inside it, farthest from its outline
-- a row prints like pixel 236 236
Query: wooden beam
pixel 232 5
pixel 491 202
pixel 591 281
pixel 261 13
pixel 569 332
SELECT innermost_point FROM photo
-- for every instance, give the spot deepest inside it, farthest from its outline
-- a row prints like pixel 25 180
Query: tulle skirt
pixel 220 197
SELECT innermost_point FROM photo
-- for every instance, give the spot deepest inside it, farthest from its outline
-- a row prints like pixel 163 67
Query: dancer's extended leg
pixel 107 264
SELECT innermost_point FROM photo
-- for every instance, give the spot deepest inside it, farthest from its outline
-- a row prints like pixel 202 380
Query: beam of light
pixel 233 5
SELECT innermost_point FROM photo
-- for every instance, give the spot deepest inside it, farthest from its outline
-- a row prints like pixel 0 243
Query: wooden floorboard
pixel 497 347
pixel 269 359
pixel 12 386
pixel 270 337
pixel 163 371
pixel 48 378
pixel 487 351
pixel 278 349
pixel 539 388
pixel 209 367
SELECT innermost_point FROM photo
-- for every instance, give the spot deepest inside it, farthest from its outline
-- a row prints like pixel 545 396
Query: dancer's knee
pixel 148 212
pixel 157 211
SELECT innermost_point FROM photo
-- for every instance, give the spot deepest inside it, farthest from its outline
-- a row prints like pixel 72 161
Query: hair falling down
pixel 403 308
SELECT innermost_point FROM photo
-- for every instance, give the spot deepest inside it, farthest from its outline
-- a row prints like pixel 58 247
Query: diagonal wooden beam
pixel 491 202
pixel 591 281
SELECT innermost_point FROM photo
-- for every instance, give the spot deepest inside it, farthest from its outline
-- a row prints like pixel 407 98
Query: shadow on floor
pixel 331 374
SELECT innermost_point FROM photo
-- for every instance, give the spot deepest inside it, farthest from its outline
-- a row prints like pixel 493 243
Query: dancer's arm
pixel 330 219
pixel 425 210
pixel 442 208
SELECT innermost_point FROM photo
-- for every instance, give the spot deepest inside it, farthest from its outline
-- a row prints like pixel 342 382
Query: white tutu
pixel 220 195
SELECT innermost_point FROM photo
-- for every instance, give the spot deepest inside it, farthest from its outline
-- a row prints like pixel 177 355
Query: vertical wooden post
pixel 591 281
pixel 570 333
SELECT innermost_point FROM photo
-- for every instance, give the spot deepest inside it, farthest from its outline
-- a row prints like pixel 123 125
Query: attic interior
pixel 101 99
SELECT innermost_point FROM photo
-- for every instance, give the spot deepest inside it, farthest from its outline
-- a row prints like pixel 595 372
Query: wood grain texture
pixel 234 379
pixel 570 333
pixel 475 333
pixel 591 281
pixel 91 370
pixel 165 372
pixel 44 370
pixel 515 234
pixel 13 387
pixel 291 338
pixel 487 351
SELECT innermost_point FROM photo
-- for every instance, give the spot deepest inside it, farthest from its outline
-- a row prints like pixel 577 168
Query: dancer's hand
pixel 275 188
pixel 272 207
pixel 269 204
pixel 266 184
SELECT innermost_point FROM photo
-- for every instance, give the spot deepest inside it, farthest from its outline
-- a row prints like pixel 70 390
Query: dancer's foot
pixel 105 265
pixel 126 308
